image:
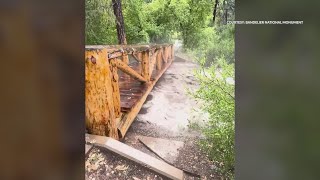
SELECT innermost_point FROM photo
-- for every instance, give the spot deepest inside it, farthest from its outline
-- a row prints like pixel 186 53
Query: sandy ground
pixel 166 114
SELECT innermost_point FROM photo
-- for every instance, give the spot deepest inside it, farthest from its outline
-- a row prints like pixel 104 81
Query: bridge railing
pixel 102 92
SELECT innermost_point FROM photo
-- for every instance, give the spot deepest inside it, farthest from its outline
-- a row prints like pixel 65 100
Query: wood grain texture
pixel 153 61
pixel 115 88
pixel 145 65
pixel 99 106
pixel 128 118
pixel 126 69
pixel 113 100
pixel 159 59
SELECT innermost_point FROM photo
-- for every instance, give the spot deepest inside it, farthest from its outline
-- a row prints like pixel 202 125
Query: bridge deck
pixel 132 90
pixel 118 81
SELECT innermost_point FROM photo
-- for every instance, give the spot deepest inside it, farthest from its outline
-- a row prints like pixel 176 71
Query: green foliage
pixel 215 42
pixel 100 23
pixel 217 91
pixel 150 21
pixel 136 24
pixel 198 17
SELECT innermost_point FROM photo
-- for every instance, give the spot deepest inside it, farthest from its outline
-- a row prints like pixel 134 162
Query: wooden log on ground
pixel 99 107
pixel 87 148
pixel 115 89
pixel 126 69
pixel 137 156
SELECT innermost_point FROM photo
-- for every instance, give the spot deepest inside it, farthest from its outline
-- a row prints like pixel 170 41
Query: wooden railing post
pixel 159 60
pixel 125 58
pixel 99 104
pixel 172 52
pixel 153 61
pixel 128 70
pixel 139 55
pixel 145 65
pixel 165 54
pixel 115 88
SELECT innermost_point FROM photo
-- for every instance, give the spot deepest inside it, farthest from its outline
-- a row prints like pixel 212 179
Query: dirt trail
pixel 167 114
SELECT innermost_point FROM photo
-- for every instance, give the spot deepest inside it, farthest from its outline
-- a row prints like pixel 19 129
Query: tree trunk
pixel 215 11
pixel 117 9
pixel 226 16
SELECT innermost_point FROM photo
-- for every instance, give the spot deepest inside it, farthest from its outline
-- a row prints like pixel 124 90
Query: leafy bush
pixel 100 23
pixel 217 91
pixel 215 43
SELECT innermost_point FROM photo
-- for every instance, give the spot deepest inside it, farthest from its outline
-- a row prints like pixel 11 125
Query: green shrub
pixel 218 95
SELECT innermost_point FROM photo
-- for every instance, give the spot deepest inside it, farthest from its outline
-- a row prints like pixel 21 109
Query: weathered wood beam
pixel 153 61
pixel 128 118
pixel 164 55
pixel 125 58
pixel 172 52
pixel 145 65
pixel 99 106
pixel 116 51
pixel 87 148
pixel 139 56
pixel 137 156
pixel 136 57
pixel 128 70
pixel 126 46
pixel 159 59
pixel 115 88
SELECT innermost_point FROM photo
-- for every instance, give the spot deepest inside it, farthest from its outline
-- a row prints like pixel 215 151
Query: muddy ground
pixel 166 114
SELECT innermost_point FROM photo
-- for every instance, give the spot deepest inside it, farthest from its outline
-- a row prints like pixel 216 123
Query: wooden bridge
pixel 118 80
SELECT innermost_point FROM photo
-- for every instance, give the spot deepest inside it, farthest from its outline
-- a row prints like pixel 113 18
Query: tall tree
pixel 117 9
pixel 215 11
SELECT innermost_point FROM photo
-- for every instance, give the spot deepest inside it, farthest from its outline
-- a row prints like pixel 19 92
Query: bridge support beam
pixel 99 104
pixel 145 65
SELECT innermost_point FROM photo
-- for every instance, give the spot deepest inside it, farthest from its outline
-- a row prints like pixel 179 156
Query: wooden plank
pixel 87 148
pixel 126 69
pixel 118 47
pixel 115 88
pixel 137 156
pixel 129 101
pixel 99 107
pixel 117 51
pixel 167 150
